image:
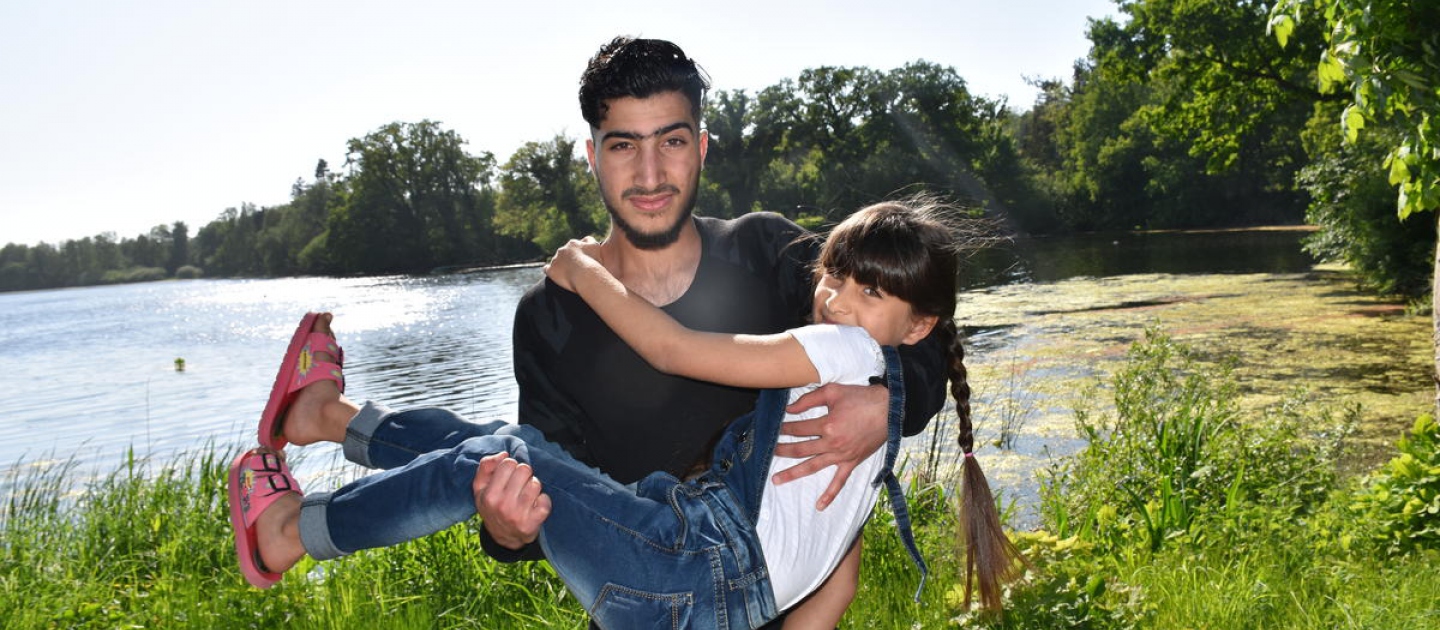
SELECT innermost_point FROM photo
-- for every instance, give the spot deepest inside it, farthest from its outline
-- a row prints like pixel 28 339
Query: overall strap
pixel 895 382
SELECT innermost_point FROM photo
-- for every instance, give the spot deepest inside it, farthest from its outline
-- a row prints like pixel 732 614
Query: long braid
pixel 959 383
pixel 990 558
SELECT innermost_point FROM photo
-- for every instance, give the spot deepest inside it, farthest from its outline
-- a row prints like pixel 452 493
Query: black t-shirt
pixel 588 391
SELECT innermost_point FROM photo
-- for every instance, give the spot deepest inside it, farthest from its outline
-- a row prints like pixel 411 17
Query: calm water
pixel 88 373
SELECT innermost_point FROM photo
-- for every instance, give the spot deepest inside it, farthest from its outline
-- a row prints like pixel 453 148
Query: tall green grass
pixel 150 546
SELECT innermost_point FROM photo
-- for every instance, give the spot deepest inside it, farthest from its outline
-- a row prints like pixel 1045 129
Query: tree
pixel 1386 55
pixel 179 247
pixel 229 243
pixel 547 195
pixel 413 191
pixel 739 153
pixel 1208 98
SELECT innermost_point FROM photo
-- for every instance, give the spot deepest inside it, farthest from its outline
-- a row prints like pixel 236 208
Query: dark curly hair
pixel 639 68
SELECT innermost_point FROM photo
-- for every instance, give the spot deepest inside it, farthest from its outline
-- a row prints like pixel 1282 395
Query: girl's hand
pixel 571 260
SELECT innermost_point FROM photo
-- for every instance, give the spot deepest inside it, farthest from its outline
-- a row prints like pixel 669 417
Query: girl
pixel 725 549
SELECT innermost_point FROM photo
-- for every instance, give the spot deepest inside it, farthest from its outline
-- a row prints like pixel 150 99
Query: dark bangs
pixel 887 247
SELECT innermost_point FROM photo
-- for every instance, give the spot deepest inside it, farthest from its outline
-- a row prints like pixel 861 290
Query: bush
pixel 1070 586
pixel 1354 204
pixel 1400 504
pixel 189 272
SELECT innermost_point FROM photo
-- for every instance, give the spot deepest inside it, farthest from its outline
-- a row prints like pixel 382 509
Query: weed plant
pixel 1018 404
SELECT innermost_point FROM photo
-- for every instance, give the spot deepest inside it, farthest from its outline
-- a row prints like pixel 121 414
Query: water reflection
pixel 1118 254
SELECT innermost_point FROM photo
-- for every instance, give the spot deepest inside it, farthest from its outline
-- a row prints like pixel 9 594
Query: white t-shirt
pixel 802 546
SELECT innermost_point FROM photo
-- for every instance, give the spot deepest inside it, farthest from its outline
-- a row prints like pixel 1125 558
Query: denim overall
pixel 660 553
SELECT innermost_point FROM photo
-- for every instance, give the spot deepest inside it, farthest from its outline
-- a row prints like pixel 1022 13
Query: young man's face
pixel 646 156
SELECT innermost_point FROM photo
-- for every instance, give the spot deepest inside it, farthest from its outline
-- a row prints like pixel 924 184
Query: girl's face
pixel 889 319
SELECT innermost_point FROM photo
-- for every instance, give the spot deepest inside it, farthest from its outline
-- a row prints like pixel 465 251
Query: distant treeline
pixel 1184 115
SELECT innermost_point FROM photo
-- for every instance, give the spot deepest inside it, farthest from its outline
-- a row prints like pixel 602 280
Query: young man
pixel 585 389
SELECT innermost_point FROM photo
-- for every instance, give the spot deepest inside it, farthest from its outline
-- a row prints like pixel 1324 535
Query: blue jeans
pixel 659 553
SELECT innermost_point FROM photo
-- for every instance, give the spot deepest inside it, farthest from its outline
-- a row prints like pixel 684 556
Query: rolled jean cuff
pixel 361 430
pixel 315 528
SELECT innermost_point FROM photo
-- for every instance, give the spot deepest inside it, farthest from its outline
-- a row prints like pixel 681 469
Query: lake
pixel 87 374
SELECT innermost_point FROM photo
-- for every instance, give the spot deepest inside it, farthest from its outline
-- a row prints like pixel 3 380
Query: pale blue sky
pixel 120 116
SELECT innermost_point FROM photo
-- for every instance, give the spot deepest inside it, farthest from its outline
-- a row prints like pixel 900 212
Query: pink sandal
pixel 298 370
pixel 258 478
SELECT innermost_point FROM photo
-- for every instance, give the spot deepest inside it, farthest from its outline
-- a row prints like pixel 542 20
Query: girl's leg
pixel 428 494
pixel 379 437
pixel 434 491
pixel 824 608
pixel 372 435
pixel 384 509
pixel 600 533
pixel 318 412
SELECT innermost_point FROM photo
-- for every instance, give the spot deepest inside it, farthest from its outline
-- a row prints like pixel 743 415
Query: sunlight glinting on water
pixel 90 372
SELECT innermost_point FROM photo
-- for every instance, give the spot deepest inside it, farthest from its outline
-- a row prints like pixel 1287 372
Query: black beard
pixel 653 240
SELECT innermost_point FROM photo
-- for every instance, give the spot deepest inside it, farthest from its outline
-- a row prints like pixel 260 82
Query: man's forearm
pixel 505 554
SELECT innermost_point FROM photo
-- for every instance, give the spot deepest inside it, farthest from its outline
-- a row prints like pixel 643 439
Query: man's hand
pixel 855 427
pixel 509 498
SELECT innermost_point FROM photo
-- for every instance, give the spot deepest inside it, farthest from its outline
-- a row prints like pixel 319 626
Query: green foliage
pixel 151 547
pixel 888 577
pixel 1401 503
pixel 415 201
pixel 740 152
pixel 1384 55
pixel 548 196
pixel 842 137
pixel 1072 585
pixel 133 274
pixel 1148 468
pixel 1354 205
pixel 1177 118
pixel 1269 539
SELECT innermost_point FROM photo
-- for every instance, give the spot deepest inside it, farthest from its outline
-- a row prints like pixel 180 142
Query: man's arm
pixel 539 333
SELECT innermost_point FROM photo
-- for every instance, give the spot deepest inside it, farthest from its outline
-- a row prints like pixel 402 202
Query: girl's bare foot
pixel 277 534
pixel 319 413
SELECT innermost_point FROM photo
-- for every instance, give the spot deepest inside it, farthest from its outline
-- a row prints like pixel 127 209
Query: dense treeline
pixel 1184 114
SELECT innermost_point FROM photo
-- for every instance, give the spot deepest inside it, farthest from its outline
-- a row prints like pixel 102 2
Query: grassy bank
pixel 1186 511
